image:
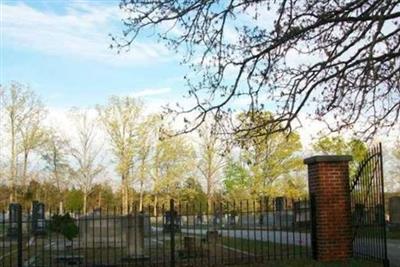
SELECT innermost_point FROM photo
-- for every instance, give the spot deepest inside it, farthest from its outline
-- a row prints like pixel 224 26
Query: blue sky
pixel 61 48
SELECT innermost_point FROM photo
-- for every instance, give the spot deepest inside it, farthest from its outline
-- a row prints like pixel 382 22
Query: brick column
pixel 328 179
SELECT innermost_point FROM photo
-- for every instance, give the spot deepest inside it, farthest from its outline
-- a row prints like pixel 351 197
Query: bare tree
pixel 55 157
pixel 336 61
pixel 24 113
pixel 120 118
pixel 85 153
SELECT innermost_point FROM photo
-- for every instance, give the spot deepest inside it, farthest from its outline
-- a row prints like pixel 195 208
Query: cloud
pixel 151 92
pixel 82 31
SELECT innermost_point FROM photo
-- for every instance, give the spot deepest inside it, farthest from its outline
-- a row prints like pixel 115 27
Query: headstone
pixel 199 219
pixel 394 210
pixel 280 204
pixel 217 218
pixel 301 212
pixel 171 219
pixel 38 218
pixel 232 219
pixel 359 214
pixel 134 234
pixel 13 209
pixel 113 231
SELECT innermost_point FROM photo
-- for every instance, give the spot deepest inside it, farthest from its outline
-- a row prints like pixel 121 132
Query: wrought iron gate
pixel 368 208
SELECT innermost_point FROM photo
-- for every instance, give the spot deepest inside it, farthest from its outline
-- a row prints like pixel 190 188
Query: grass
pixel 311 263
pixel 267 250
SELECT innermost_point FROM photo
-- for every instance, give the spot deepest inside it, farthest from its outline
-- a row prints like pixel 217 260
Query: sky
pixel 61 49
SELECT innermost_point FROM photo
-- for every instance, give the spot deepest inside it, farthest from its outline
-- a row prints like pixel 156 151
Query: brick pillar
pixel 328 179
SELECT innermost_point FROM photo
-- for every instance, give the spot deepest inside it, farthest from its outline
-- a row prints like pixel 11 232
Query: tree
pixel 211 159
pixel 337 145
pixel 192 193
pixel 121 117
pixel 236 181
pixel 330 59
pixel 173 163
pixel 271 157
pixel 25 113
pixel 148 131
pixel 55 157
pixel 85 153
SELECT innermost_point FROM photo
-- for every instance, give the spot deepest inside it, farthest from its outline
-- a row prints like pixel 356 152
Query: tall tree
pixel 337 145
pixel 147 134
pixel 55 156
pixel 24 112
pixel 85 152
pixel 211 158
pixel 173 163
pixel 329 59
pixel 121 117
pixel 236 181
pixel 271 157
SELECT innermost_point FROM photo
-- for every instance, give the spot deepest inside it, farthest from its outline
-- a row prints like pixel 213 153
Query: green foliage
pixel 236 181
pixel 272 158
pixel 64 225
pixel 192 192
pixel 74 200
pixel 337 145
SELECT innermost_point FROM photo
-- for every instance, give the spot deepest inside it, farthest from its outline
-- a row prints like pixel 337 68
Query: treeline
pixel 71 164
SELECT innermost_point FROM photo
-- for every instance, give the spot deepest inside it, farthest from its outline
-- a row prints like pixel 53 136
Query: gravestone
pixel 232 219
pixel 359 215
pixel 13 210
pixel 99 231
pixel 134 235
pixel 38 218
pixel 280 215
pixel 171 219
pixel 280 204
pixel 394 210
pixel 301 213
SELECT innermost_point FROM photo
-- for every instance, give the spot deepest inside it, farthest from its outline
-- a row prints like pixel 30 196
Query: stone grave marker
pixel 13 209
pixel 38 218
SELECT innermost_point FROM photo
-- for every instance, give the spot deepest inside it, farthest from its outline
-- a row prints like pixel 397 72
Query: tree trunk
pixel 84 202
pixel 13 162
pixel 61 207
pixel 25 168
pixel 155 205
pixel 141 197
pixel 125 196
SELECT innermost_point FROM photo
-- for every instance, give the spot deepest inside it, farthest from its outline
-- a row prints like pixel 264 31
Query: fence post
pixel 172 231
pixel 328 179
pixel 19 235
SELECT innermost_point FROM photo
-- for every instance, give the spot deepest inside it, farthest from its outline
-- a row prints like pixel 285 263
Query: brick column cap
pixel 327 158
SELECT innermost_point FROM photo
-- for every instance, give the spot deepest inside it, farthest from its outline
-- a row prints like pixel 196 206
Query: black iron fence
pixel 368 208
pixel 181 234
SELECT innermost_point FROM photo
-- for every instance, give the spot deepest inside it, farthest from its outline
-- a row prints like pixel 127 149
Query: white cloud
pixel 151 92
pixel 81 32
